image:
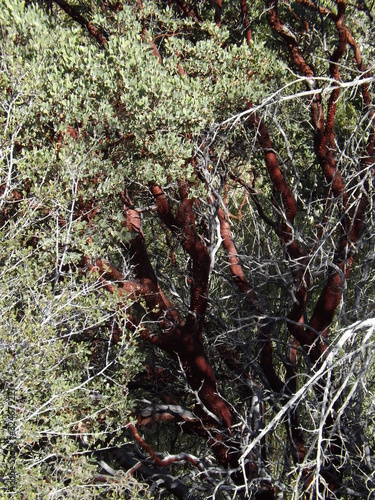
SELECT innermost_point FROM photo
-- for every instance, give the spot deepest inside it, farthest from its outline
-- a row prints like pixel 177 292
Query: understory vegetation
pixel 187 249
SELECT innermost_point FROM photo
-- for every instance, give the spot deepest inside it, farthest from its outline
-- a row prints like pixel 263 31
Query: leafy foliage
pixel 187 249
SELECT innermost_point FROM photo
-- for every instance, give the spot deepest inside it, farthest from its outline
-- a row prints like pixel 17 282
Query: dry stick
pixel 297 255
pixel 246 288
pixel 324 144
pixel 330 361
pixel 330 297
pixel 295 317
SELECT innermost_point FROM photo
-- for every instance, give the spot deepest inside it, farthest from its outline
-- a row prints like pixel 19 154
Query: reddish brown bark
pixel 265 336
pixel 279 183
pixel 74 14
pixel 113 280
pixel 218 9
pixel 200 259
pixel 184 224
pixel 177 337
pixel 284 229
pixel 298 60
pixel 351 218
pixel 324 147
pixel 182 457
pixel 181 337
pixel 313 6
pixel 299 263
pixel 174 337
pixel 189 11
pixel 245 287
pixel 325 142
pixel 246 22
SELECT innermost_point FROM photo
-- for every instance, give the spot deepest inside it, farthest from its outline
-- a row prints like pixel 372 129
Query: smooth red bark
pixel 178 337
pixel 245 20
pixel 74 14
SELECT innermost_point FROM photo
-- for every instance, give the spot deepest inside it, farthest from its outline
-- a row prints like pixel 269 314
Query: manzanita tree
pixel 188 248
